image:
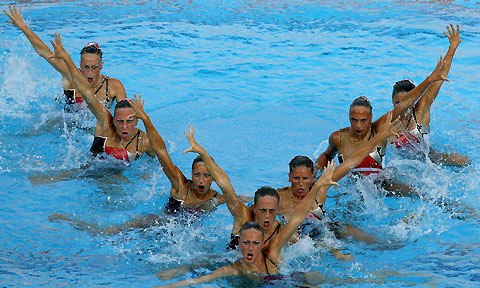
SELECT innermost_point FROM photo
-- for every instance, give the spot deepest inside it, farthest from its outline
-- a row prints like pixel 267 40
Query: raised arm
pixel 40 47
pixel 101 112
pixel 276 243
pixel 219 273
pixel 412 96
pixel 157 145
pixel 423 105
pixel 237 208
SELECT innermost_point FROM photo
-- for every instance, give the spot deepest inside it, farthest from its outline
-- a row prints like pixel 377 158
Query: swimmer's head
pixel 251 225
pixel 92 48
pixel 251 241
pixel 299 161
pixel 301 175
pixel 265 208
pixel 91 62
pixel 400 89
pixel 125 103
pixel 360 116
pixel 362 101
pixel 265 191
pixel 202 180
pixel 124 120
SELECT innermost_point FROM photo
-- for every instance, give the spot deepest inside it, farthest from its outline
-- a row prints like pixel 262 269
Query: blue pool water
pixel 261 81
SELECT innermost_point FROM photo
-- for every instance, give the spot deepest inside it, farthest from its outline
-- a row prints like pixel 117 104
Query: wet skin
pixel 360 121
pixel 202 180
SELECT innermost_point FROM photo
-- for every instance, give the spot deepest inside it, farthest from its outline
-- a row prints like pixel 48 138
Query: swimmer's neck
pixel 203 196
pixel 255 267
pixel 356 138
pixel 124 141
pixel 97 83
pixel 271 229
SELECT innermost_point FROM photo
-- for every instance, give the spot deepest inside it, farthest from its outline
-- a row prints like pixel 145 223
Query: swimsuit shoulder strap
pixel 419 126
pixel 277 229
pixel 131 140
pixel 101 85
pixel 106 89
pixel 269 259
pixel 265 262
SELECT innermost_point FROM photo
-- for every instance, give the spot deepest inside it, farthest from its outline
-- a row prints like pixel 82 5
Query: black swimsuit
pixel 269 259
pixel 70 97
pixel 175 205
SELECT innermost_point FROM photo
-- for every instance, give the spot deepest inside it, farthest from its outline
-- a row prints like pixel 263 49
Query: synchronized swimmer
pixel 257 232
pixel 106 89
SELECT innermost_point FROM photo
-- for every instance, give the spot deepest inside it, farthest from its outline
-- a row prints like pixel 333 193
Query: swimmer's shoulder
pixel 283 192
pixel 116 89
pixel 335 137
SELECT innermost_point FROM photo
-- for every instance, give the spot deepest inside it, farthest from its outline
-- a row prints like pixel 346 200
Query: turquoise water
pixel 261 82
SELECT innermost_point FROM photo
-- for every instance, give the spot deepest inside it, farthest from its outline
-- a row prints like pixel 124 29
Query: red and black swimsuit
pixel 98 147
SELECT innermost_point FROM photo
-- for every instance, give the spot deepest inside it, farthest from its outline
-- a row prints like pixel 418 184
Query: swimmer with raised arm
pixel 265 206
pixel 414 125
pixel 301 177
pixel 184 193
pixel 115 135
pixel 258 259
pixel 187 197
pixel 346 140
pixel 105 89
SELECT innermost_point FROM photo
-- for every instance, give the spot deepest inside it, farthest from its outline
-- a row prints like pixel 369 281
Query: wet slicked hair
pixel 405 85
pixel 199 159
pixel 362 101
pixel 251 225
pixel 266 191
pixel 91 48
pixel 123 104
pixel 300 161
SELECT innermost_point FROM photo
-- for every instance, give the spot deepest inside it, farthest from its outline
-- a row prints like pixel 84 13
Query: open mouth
pixel 266 223
pixel 201 188
pixel 90 80
pixel 249 256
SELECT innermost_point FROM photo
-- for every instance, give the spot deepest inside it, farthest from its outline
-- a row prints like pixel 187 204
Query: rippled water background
pixel 261 81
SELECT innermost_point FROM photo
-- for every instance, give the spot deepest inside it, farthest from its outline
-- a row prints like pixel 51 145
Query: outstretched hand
pixel 58 50
pixel 453 36
pixel 137 105
pixel 194 146
pixel 326 178
pixel 388 127
pixel 15 16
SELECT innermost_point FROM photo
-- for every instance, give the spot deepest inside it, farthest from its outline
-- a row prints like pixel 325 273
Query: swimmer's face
pixel 90 66
pixel 266 211
pixel 251 244
pixel 124 122
pixel 301 179
pixel 202 180
pixel 360 120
